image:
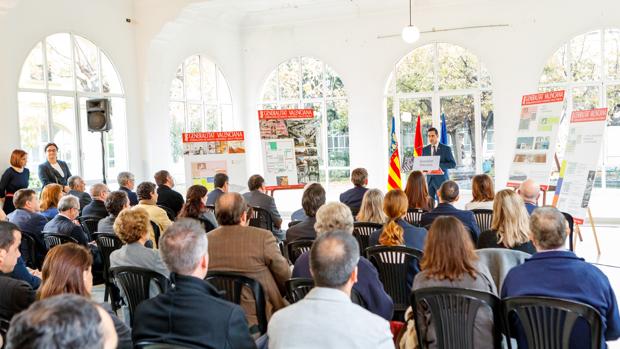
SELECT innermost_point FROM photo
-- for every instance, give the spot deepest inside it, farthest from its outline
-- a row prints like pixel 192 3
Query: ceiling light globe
pixel 410 34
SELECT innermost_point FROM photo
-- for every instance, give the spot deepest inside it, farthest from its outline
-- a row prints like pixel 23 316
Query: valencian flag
pixel 444 130
pixel 418 143
pixel 394 167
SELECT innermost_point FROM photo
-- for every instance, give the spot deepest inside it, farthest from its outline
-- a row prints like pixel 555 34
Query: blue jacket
pixel 133 197
pixel 530 207
pixel 32 223
pixel 414 237
pixel 48 174
pixel 446 162
pixel 63 225
pixel 213 196
pixel 561 274
pixel 445 209
pixel 353 197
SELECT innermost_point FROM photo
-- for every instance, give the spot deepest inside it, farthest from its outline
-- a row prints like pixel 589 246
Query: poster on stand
pixel 289 140
pixel 537 134
pixel 209 153
pixel 581 159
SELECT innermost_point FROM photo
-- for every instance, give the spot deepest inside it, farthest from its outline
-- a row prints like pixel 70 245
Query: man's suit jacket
pixel 32 223
pixel 170 198
pixel 95 209
pixel 83 196
pixel 63 225
pixel 254 253
pixel 530 207
pixel 353 197
pixel 133 197
pixel 445 209
pixel 136 255
pixel 213 196
pixel 446 162
pixel 192 314
pixel 48 174
pixel 303 230
pixel 257 199
pixel 15 296
pixel 326 318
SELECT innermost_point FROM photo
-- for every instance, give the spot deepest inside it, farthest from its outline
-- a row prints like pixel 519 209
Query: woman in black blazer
pixel 54 170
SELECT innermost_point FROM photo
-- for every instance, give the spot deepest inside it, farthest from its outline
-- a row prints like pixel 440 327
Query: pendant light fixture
pixel 410 33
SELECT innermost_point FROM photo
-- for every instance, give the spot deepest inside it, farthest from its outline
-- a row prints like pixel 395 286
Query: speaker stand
pixel 103 158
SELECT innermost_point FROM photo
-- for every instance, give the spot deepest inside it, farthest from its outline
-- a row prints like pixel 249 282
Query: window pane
pixel 33 129
pixel 270 90
pixel 418 106
pixel 312 70
pixel 86 65
pixel 333 84
pixel 177 116
pixel 64 130
pixel 459 112
pixel 194 118
pixel 555 69
pixel 338 133
pixel 176 90
pixel 111 81
pixel 227 117
pixel 59 62
pixel 612 53
pixel 612 146
pixel 485 78
pixel 458 68
pixel 91 147
pixel 488 143
pixel 117 139
pixel 223 91
pixel 415 72
pixel 209 78
pixel 32 71
pixel 212 119
pixel 290 76
pixel 587 97
pixel 192 79
pixel 585 53
pixel 339 176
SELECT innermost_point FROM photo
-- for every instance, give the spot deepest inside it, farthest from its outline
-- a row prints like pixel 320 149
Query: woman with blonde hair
pixel 370 211
pixel 417 192
pixel 483 192
pixel 50 196
pixel 510 227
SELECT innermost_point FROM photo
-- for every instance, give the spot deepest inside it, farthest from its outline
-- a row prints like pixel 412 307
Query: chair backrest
pixel 206 224
pixel 362 231
pixel 53 239
pixel 547 322
pixel 90 225
pixel 414 216
pixel 298 288
pixel 28 249
pixel 571 226
pixel 483 218
pixel 154 345
pixel 393 264
pixel 261 219
pixel 233 284
pixel 169 212
pixel 296 248
pixel 453 312
pixel 135 283
pixel 107 243
pixel 292 223
pixel 4 328
pixel 156 232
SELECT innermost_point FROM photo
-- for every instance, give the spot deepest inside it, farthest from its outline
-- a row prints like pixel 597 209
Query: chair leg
pixel 106 293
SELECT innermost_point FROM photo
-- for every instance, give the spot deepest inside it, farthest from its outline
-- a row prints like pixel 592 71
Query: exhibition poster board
pixel 289 140
pixel 534 151
pixel 208 153
pixel 581 159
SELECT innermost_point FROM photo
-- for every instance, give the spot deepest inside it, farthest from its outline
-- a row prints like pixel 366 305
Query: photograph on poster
pixel 236 147
pixel 528 115
pixel 203 171
pixel 304 132
pixel 525 143
pixel 541 143
pixel 271 129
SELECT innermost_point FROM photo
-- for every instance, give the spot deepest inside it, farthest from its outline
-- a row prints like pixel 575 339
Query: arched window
pixel 200 101
pixel 588 68
pixel 59 75
pixel 305 82
pixel 446 79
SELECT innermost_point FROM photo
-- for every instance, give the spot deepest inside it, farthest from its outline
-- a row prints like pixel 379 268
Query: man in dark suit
pixel 78 189
pixel 192 313
pixel 166 196
pixel 54 170
pixel 96 209
pixel 27 218
pixel 65 223
pixel 353 197
pixel 126 182
pixel 446 161
pixel 220 181
pixel 449 194
pixel 555 272
pixel 256 197
pixel 529 191
pixel 312 199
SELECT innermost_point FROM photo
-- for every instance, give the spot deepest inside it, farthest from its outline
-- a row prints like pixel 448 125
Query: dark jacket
pixel 95 209
pixel 445 209
pixel 133 197
pixel 170 198
pixel 446 162
pixel 106 225
pixel 63 225
pixel 48 174
pixel 84 197
pixel 213 196
pixel 192 314
pixel 353 197
pixel 32 223
pixel 488 239
pixel 303 230
pixel 15 296
pixel 21 273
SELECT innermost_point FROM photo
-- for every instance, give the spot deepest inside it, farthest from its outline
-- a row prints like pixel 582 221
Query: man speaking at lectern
pixel 446 161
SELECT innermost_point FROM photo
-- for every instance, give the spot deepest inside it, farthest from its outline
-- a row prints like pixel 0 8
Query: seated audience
pixel 312 199
pixel 220 183
pixel 257 197
pixel 148 201
pixel 195 207
pixel 15 177
pixel 126 182
pixel 68 269
pixel 371 208
pixel 65 222
pixel 354 196
pixel 61 322
pixel 27 218
pixel 448 194
pixel 417 192
pixel 191 314
pixel 78 189
pixel 529 191
pixel 96 209
pixel 15 295
pixel 450 261
pixel 131 226
pixel 558 273
pixel 114 204
pixel 253 252
pixel 510 227
pixel 483 192
pixel 326 317
pixel 336 216
pixel 50 195
pixel 165 195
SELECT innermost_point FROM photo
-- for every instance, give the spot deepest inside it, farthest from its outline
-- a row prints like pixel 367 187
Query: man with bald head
pixel 96 209
pixel 529 191
pixel 236 247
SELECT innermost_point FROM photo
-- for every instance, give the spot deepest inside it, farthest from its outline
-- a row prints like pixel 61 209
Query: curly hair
pixel 131 224
pixel 50 195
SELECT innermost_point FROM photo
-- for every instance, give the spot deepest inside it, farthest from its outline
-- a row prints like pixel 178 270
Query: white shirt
pixel 57 167
pixel 479 205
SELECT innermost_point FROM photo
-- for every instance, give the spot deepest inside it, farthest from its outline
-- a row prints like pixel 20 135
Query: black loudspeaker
pixel 98 113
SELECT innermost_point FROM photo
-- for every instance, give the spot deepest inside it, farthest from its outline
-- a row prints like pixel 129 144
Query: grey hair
pixel 333 216
pixel 63 321
pixel 73 181
pixel 124 177
pixel 333 257
pixel 548 227
pixel 68 202
pixel 97 189
pixel 182 245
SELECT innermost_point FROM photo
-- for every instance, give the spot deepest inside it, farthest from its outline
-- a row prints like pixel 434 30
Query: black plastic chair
pixel 154 345
pixel 135 283
pixel 414 216
pixel 4 328
pixel 90 225
pixel 362 231
pixel 296 248
pixel 52 239
pixel 453 312
pixel 571 227
pixel 28 249
pixel 293 223
pixel 206 224
pixel 261 219
pixel 169 212
pixel 298 288
pixel 156 232
pixel 354 211
pixel 483 218
pixel 108 243
pixel 547 322
pixel 233 284
pixel 393 264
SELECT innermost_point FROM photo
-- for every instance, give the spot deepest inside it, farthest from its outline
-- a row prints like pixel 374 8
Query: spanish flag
pixel 394 166
pixel 418 143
